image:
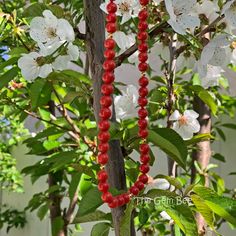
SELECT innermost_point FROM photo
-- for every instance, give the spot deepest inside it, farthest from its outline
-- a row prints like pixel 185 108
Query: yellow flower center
pixel 183 120
pixel 51 33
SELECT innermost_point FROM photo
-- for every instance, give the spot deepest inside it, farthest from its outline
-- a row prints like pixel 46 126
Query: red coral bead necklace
pixel 106 102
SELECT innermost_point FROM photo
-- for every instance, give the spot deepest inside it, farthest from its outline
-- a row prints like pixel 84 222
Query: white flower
pixel 49 29
pixel 216 52
pixel 181 15
pixel 61 63
pixel 209 74
pixel 73 52
pixel 209 9
pixel 229 10
pixel 126 104
pixel 184 61
pixel 124 41
pixel 185 125
pixel 31 68
pixel 126 8
pixel 165 215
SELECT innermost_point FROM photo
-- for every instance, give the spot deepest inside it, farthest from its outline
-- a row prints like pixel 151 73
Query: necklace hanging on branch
pixel 106 102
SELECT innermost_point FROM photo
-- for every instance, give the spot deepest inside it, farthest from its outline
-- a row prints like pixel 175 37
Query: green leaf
pixel 93 216
pixel 9 62
pixel 221 133
pixel 205 96
pixel 198 138
pixel 223 206
pixel 74 184
pixel 229 125
pixel 100 229
pixel 40 93
pixel 57 225
pixel 51 144
pixel 42 211
pixel 90 202
pixel 8 76
pixel 143 216
pixel 219 157
pixel 171 143
pixel 173 181
pixel 205 211
pixel 126 220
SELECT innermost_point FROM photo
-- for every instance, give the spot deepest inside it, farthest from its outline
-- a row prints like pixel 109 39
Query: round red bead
pixel 102 176
pixel 104 137
pixel 143 15
pixel 143 47
pixel 103 147
pixel 142 36
pixel 143 66
pixel 134 190
pixel 144 168
pixel 103 187
pixel 103 158
pixel 144 2
pixel 142 113
pixel 108 77
pixel 143 92
pixel 111 7
pixel 111 18
pixel 111 28
pixel 109 43
pixel 109 54
pixel 104 125
pixel 144 148
pixel 143 57
pixel 126 197
pixel 107 89
pixel 106 101
pixel 121 200
pixel 114 203
pixel 145 159
pixel 105 113
pixel 143 178
pixel 142 102
pixel 142 123
pixel 107 197
pixel 142 25
pixel 143 81
pixel 139 185
pixel 143 133
pixel 109 65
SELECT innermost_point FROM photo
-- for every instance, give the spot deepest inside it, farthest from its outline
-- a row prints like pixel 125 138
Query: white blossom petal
pixel 45 70
pixel 175 115
pixel 61 63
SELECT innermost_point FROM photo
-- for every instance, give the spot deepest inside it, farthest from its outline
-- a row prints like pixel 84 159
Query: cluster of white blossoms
pixel 55 49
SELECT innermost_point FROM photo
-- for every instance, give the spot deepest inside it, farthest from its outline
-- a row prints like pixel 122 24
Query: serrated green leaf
pixel 8 76
pixel 198 138
pixel 42 211
pixel 93 216
pixel 100 229
pixel 74 183
pixel 126 221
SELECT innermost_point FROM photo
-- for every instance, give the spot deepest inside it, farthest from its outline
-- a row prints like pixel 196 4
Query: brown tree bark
pixel 203 151
pixel 95 36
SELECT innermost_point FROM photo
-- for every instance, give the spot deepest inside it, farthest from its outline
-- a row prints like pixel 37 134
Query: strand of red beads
pixel 106 102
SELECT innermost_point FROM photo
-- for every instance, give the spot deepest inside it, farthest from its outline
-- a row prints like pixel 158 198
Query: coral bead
pixel 142 26
pixel 108 77
pixel 143 133
pixel 144 2
pixel 144 168
pixel 142 36
pixel 142 123
pixel 114 203
pixel 126 197
pixel 121 200
pixel 109 65
pixel 107 197
pixel 143 178
pixel 142 113
pixel 103 158
pixel 105 113
pixel 143 81
pixel 143 47
pixel 143 15
pixel 111 7
pixel 111 28
pixel 145 159
pixel 105 101
pixel 139 185
pixel 107 89
pixel 143 67
pixel 109 54
pixel 142 102
pixel 111 18
pixel 109 43
pixel 103 147
pixel 104 125
pixel 143 57
pixel 103 187
pixel 102 176
pixel 134 190
pixel 104 137
pixel 143 92
pixel 144 148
